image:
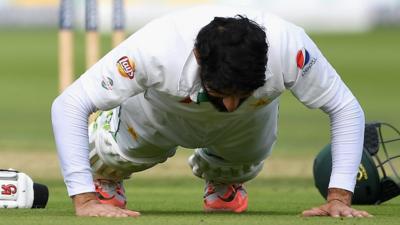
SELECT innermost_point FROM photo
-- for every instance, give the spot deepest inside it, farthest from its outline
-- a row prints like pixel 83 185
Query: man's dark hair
pixel 232 54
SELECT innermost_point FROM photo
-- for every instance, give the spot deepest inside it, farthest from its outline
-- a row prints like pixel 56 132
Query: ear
pixel 196 55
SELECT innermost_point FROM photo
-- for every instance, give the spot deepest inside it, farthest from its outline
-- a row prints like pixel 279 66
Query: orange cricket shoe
pixel 110 192
pixel 225 198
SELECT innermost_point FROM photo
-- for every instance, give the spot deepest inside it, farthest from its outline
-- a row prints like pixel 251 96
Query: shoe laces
pixel 224 191
pixel 109 186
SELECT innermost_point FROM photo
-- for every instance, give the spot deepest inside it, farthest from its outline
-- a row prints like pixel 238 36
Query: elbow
pixel 358 110
pixel 362 115
pixel 56 109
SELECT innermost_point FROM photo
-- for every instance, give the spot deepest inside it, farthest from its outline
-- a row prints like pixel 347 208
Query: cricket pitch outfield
pixel 169 194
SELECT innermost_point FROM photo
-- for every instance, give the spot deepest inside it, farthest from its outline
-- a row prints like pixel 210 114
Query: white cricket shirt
pixel 158 61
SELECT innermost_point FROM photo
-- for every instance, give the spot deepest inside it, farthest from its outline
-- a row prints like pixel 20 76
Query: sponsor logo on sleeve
pixel 305 61
pixel 107 83
pixel 126 67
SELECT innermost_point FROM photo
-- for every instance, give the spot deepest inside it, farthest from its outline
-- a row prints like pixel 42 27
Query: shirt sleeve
pixel 70 112
pixel 315 83
pixel 309 76
pixel 347 137
pixel 127 70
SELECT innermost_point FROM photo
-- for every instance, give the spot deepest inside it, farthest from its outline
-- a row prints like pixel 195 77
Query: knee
pixel 215 169
pixel 106 160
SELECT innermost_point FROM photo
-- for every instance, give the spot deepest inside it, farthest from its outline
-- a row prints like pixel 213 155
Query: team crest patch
pixel 304 61
pixel 107 83
pixel 126 67
pixel 362 173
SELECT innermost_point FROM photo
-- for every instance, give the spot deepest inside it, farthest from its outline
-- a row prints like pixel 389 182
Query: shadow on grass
pixel 201 213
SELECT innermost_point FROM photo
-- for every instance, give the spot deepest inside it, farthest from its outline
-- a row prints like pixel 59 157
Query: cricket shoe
pixel 225 198
pixel 110 192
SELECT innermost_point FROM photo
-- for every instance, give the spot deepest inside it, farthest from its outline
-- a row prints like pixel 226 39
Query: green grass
pixel 179 201
pixel 28 74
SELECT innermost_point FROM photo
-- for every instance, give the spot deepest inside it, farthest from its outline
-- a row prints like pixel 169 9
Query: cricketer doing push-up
pixel 206 78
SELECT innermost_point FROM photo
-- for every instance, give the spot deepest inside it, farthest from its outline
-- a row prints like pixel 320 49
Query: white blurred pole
pixel 92 34
pixel 65 45
pixel 118 22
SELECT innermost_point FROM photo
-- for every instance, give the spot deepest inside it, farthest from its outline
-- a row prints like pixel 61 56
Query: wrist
pixel 340 195
pixel 83 198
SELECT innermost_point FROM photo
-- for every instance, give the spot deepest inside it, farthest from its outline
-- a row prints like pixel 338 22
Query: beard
pixel 219 104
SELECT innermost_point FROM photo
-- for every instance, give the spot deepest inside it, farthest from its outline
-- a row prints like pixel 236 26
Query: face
pixel 221 101
pixel 226 102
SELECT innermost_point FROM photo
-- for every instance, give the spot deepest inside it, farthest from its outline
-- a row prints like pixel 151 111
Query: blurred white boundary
pixel 313 15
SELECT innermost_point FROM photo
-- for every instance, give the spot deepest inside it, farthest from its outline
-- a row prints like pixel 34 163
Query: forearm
pixel 347 136
pixel 70 113
pixel 347 128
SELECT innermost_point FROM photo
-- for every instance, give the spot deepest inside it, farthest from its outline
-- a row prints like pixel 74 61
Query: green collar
pixel 202 97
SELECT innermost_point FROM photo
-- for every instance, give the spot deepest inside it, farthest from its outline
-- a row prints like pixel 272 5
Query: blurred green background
pixel 368 62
